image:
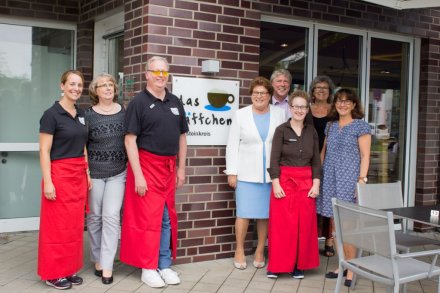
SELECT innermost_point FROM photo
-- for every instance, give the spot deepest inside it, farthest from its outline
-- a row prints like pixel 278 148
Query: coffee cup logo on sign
pixel 218 100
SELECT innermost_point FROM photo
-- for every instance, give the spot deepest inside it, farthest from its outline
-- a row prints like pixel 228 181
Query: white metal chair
pixel 388 196
pixel 373 231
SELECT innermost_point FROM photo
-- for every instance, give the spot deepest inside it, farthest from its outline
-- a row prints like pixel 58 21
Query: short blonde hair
pixel 94 84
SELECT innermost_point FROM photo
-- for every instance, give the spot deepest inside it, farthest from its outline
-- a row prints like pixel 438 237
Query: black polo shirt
pixel 69 134
pixel 157 124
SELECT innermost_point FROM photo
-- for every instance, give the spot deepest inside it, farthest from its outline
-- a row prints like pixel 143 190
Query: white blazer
pixel 244 152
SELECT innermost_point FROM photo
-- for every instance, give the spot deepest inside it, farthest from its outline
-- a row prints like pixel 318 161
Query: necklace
pixel 106 111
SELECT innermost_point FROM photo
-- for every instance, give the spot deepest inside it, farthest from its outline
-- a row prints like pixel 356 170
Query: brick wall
pixel 187 32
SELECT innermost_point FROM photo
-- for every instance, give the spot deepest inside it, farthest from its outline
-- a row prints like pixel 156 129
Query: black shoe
pixel 347 283
pixel 107 280
pixel 298 274
pixel 75 280
pixel 60 284
pixel 333 275
pixel 272 275
pixel 98 273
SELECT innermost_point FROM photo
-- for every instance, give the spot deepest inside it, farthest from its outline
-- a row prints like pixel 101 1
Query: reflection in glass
pixel 339 57
pixel 284 47
pixel 32 60
pixel 387 108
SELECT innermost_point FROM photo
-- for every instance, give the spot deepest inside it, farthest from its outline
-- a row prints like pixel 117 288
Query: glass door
pixel 32 60
pixel 387 106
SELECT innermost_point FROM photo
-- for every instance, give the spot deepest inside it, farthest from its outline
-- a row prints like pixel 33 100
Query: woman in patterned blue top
pixel 346 158
pixel 108 164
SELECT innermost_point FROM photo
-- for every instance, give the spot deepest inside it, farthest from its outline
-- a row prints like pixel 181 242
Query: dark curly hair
pixel 348 94
pixel 261 81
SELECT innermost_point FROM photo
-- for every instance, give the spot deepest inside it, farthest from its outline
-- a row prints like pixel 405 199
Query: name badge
pixel 175 111
pixel 81 120
pixel 292 139
pixel 151 106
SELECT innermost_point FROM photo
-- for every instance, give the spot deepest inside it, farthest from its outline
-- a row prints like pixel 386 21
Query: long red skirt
pixel 293 236
pixel 142 217
pixel 60 243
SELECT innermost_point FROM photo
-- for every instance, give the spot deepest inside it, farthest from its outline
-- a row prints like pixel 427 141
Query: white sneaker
pixel 152 278
pixel 169 276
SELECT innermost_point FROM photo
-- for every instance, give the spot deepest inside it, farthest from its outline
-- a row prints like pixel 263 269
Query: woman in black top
pixel 63 137
pixel 108 164
pixel 295 170
pixel 321 92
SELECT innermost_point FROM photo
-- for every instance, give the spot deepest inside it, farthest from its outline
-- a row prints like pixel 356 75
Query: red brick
pixel 200 162
pixel 232 38
pixel 210 8
pixel 216 205
pixel 209 249
pixel 221 231
pixel 191 242
pixel 207 171
pixel 204 223
pixel 185 224
pixel 209 240
pixel 205 188
pixel 233 29
pixel 209 44
pixel 189 24
pixel 203 35
pixel 199 215
pixel 200 179
pixel 179 13
pixel 222 213
pixel 193 207
pixel 186 5
pixel 205 16
pixel 199 233
pixel 200 197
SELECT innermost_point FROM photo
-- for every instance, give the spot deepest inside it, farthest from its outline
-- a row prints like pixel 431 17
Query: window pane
pixel 339 57
pixel 284 46
pixel 387 107
pixel 32 60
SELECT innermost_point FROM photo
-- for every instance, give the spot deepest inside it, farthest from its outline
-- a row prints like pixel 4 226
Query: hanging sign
pixel 210 105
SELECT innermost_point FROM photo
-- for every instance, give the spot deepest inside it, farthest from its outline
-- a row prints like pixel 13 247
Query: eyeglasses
pixel 344 102
pixel 322 88
pixel 159 72
pixel 296 107
pixel 259 94
pixel 106 85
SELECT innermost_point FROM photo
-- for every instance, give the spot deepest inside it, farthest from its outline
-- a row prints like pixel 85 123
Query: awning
pixel 406 4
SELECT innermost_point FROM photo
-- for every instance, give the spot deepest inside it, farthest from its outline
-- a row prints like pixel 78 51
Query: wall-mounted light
pixel 284 45
pixel 210 66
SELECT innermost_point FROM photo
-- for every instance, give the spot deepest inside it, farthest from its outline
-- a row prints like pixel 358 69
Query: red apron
pixel 60 243
pixel 293 236
pixel 142 215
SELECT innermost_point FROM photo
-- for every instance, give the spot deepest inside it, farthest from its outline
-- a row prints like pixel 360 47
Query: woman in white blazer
pixel 247 158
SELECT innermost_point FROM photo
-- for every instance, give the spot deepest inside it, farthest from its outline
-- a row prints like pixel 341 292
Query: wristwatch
pixel 365 179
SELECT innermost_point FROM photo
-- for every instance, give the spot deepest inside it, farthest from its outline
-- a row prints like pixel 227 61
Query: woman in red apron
pixel 295 169
pixel 63 136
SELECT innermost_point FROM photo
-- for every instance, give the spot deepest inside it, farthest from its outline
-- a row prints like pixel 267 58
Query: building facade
pixel 390 57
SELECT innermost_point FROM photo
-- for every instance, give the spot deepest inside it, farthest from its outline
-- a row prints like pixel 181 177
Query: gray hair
pixel 154 59
pixel 319 79
pixel 279 72
pixel 94 84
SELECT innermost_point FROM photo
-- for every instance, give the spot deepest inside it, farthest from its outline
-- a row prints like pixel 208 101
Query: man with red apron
pixel 155 126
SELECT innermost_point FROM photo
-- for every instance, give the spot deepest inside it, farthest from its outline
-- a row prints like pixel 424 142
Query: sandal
pixel 329 251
